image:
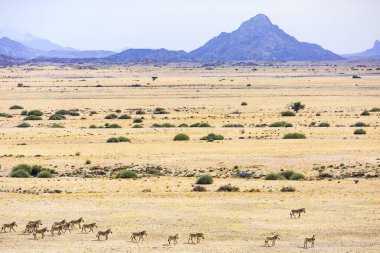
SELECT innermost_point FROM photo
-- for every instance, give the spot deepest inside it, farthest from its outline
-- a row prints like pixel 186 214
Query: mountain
pixel 258 39
pixel 15 49
pixel 372 53
pixel 149 55
pixel 8 60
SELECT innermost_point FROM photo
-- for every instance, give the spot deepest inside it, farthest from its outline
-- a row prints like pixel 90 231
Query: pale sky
pixel 343 26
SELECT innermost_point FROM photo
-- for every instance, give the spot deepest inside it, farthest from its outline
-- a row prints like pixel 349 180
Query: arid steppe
pixel 344 214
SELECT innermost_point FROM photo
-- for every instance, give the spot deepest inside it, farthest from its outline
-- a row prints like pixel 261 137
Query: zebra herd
pixel 61 227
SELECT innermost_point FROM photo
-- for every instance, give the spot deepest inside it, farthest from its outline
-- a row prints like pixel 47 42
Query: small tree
pixel 297 106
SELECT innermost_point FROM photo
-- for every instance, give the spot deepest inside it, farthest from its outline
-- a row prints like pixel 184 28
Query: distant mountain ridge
pixel 372 53
pixel 255 40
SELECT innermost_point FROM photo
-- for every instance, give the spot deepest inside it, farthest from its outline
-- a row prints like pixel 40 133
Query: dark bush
pixel 288 114
pixel 32 117
pixel 181 137
pixel 199 188
pixel 288 189
pixel 325 175
pixel 20 173
pixel 154 172
pixel 297 176
pixel 323 124
pixel 137 126
pixel 44 174
pixel 212 137
pixel 228 188
pixel 281 124
pixel 200 125
pixel 5 115
pixel 57 117
pixel 67 112
pixel 111 116
pixel 35 113
pixel 16 107
pixel 183 125
pixel 125 116
pixel 294 136
pixel 137 120
pixel 88 161
pixel 24 125
pixel 274 176
pixel 57 126
pixel 165 125
pixel 24 113
pixel 297 106
pixel 118 139
pixel 205 179
pixel 118 111
pixel 233 125
pixel 140 112
pixel 113 126
pixel 365 113
pixel 244 103
pixel 160 110
pixel 375 109
pixel 126 174
pixel 360 131
pixel 359 124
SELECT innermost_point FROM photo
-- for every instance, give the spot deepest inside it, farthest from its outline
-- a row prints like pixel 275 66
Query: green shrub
pixel 140 112
pixel 137 120
pixel 5 115
pixel 359 124
pixel 375 109
pixel 111 116
pixel 126 174
pixel 297 176
pixel 16 107
pixel 67 112
pixel 360 131
pixel 288 114
pixel 113 126
pixel 213 137
pixel 23 125
pixel 165 125
pixel 137 126
pixel 297 106
pixel 325 175
pixel 228 188
pixel 200 125
pixel 20 174
pixel 57 117
pixel 44 174
pixel 118 111
pixel 288 189
pixel 205 179
pixel 281 124
pixel 56 126
pixel 244 103
pixel 88 162
pixel 324 124
pixel 154 172
pixel 32 117
pixel 181 137
pixel 125 116
pixel 233 125
pixel 35 113
pixel 365 113
pixel 294 136
pixel 92 126
pixel 160 110
pixel 199 188
pixel 274 176
pixel 118 139
pixel 22 166
pixel 287 174
pixel 183 125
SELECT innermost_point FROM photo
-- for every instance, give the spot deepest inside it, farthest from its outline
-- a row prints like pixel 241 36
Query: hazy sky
pixel 342 26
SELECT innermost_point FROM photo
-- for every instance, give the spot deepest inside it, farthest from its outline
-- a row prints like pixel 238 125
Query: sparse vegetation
pixel 16 107
pixel 118 139
pixel 233 125
pixel 213 137
pixel 205 179
pixel 88 162
pixel 325 175
pixel 183 125
pixel 323 124
pixel 281 124
pixel 138 120
pixel 126 174
pixel 160 110
pixel 285 175
pixel 288 189
pixel 165 125
pixel 113 126
pixel 360 131
pixel 200 125
pixel 111 116
pixel 199 188
pixel 44 174
pixel 294 136
pixel 228 188
pixel 23 125
pixel 137 126
pixel 25 170
pixel 365 113
pixel 32 117
pixel 67 112
pixel 375 109
pixel 5 115
pixel 359 124
pixel 181 137
pixel 57 117
pixel 125 116
pixel 140 112
pixel 35 113
pixel 288 114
